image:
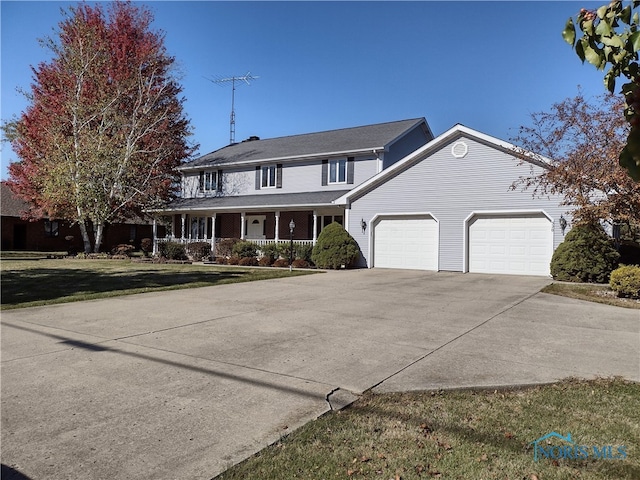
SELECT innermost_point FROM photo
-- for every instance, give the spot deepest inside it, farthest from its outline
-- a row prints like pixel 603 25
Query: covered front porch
pixel 259 226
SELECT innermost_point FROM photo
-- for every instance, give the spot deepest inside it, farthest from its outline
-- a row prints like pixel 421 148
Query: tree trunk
pixel 85 236
pixel 99 231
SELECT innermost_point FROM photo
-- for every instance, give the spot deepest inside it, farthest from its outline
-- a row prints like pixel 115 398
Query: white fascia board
pixel 428 149
pixel 313 156
pixel 256 208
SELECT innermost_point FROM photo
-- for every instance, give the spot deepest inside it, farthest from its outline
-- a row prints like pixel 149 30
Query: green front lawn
pixel 34 282
pixel 591 293
pixel 462 435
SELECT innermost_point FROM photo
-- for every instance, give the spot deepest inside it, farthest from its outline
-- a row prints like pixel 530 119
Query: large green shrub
pixel 625 281
pixel 586 255
pixel 244 249
pixel 199 250
pixel 172 251
pixel 224 246
pixel 334 248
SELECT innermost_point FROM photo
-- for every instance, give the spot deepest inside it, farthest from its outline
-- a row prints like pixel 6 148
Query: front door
pixel 255 226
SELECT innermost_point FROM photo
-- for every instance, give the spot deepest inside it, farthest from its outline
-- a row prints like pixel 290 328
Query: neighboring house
pixel 450 206
pixel 252 190
pixel 49 235
pixel 409 200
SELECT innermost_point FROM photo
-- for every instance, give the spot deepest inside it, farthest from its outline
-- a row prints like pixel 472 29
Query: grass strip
pixel 27 283
pixel 591 293
pixel 462 434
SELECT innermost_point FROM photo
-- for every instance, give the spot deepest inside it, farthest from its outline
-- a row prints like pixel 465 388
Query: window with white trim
pixel 269 176
pixel 209 181
pixel 326 220
pixel 338 171
pixel 51 228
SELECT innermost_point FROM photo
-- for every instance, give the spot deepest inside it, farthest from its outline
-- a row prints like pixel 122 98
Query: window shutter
pixel 350 164
pixel 279 175
pixel 201 182
pixel 257 177
pixel 219 182
pixel 325 172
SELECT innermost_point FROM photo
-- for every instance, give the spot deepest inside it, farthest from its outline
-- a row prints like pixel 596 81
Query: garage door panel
pixel 403 242
pixel 519 244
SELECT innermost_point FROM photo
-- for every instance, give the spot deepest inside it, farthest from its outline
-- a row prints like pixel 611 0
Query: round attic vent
pixel 459 149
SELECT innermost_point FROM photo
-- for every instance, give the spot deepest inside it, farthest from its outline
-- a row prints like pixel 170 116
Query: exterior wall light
pixel 563 223
pixel 363 225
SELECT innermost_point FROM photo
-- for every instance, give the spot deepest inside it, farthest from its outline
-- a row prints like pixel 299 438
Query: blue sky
pixel 327 65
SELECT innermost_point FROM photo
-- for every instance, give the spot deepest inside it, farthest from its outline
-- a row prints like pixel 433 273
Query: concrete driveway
pixel 183 384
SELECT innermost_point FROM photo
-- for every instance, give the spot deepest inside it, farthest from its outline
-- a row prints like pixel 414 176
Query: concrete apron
pixel 184 384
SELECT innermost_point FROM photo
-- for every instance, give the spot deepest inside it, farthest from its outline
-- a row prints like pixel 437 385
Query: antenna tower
pixel 244 78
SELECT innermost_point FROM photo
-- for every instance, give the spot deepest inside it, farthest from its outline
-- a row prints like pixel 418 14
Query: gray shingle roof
pixel 352 139
pixel 288 200
pixel 11 205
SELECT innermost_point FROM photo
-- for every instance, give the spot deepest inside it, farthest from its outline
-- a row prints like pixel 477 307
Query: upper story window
pixel 210 181
pixel 269 176
pixel 338 171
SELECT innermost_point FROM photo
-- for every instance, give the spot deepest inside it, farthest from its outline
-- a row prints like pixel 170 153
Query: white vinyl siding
pixel 510 244
pixel 451 189
pixel 406 242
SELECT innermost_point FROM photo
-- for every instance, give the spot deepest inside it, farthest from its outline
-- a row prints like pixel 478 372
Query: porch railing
pixel 257 241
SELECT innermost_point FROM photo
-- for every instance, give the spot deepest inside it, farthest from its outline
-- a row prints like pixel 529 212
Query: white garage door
pixel 406 242
pixel 518 244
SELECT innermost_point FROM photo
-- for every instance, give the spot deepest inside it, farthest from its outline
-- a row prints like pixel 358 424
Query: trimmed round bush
pixel 334 248
pixel 586 255
pixel 625 281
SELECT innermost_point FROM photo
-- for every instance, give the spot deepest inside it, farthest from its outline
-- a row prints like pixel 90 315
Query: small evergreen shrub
pixel 221 260
pixel 225 246
pixel 335 247
pixel 625 281
pixel 172 250
pixel 303 252
pixel 248 261
pixel 234 260
pixel 199 250
pixel 271 251
pixel 245 249
pixel 586 255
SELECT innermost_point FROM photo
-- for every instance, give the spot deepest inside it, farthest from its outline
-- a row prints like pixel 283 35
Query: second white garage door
pixel 406 242
pixel 517 244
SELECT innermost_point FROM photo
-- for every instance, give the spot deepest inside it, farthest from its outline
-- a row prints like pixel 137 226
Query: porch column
pixel 205 229
pixel 173 226
pixel 213 234
pixel 347 209
pixel 154 230
pixel 242 232
pixel 315 226
pixel 183 217
pixel 276 237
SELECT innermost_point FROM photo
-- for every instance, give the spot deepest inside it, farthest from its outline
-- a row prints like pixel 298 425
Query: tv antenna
pixel 244 78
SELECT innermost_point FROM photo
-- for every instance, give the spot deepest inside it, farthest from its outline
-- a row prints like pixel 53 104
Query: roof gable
pixel 333 142
pixel 457 131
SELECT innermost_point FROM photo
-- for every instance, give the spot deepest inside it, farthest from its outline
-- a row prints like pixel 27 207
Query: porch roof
pixel 285 201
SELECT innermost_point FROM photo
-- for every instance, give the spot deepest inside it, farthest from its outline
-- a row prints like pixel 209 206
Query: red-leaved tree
pixel 105 128
pixel 582 139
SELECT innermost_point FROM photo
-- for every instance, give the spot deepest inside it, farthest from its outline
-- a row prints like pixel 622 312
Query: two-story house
pixel 254 189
